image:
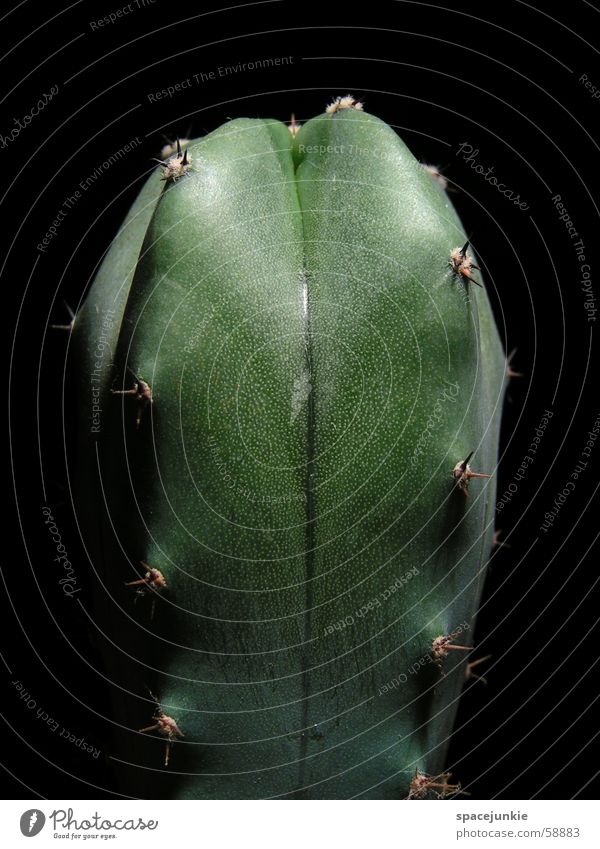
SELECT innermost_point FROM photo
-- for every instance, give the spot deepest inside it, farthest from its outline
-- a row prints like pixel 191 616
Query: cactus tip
pixel 347 102
pixel 293 126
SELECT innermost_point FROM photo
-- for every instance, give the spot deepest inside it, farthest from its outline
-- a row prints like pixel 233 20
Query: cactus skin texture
pixel 317 370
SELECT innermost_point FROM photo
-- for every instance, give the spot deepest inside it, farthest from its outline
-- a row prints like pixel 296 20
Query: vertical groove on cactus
pixel 311 518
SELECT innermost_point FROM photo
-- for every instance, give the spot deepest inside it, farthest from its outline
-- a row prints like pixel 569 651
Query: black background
pixel 503 78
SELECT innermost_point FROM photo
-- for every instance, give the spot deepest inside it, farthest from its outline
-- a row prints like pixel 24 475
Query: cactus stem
pixel 423 784
pixel 469 669
pixel 166 726
pixel 347 102
pixel 462 263
pixel 264 238
pixel 142 393
pixel 462 474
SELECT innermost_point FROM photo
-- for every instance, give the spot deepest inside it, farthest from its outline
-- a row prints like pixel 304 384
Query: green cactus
pixel 274 508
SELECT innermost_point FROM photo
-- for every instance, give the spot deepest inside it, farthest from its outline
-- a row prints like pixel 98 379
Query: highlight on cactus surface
pixel 289 456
